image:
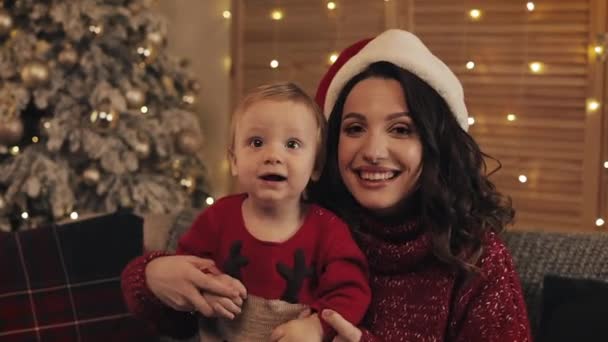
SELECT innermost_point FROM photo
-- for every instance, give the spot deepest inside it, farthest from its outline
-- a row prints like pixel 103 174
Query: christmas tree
pixel 94 114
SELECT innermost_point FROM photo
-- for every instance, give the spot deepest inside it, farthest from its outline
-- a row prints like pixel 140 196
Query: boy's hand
pixel 301 329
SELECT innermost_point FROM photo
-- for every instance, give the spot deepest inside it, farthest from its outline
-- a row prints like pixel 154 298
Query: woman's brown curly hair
pixel 455 199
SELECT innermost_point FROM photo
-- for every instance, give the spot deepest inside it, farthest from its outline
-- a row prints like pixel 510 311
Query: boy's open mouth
pixel 273 177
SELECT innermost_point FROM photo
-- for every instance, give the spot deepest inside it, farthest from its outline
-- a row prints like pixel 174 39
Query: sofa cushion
pixel 62 283
pixel 573 310
pixel 574 255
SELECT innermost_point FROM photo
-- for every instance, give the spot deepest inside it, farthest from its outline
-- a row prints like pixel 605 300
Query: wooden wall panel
pixel 548 142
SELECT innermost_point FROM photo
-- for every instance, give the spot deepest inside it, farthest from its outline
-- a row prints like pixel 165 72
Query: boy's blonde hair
pixel 283 91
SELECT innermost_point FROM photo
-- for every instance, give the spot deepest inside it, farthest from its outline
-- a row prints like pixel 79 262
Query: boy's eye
pixel 293 144
pixel 256 142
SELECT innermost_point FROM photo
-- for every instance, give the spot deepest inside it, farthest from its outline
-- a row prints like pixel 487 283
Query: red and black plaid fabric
pixel 62 283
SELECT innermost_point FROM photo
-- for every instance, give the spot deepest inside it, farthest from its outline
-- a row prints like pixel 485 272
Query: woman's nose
pixel 375 148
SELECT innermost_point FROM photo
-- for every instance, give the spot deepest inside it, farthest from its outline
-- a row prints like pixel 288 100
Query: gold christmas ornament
pixel 147 53
pixel 169 85
pixel 142 147
pixel 135 98
pixel 42 47
pixel 91 175
pixel 68 56
pixel 194 85
pixel 155 38
pixel 104 119
pixel 6 23
pixel 11 131
pixel 34 74
pixel 189 142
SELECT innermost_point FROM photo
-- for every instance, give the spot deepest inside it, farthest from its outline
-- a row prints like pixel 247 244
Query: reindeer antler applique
pixel 294 277
pixel 235 261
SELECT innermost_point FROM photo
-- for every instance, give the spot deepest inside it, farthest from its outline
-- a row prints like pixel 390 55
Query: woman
pixel 412 184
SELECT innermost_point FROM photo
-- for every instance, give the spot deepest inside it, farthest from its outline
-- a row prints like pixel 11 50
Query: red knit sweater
pixel 417 298
pixel 332 269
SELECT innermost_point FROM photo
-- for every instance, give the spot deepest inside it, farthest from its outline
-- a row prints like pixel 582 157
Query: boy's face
pixel 274 150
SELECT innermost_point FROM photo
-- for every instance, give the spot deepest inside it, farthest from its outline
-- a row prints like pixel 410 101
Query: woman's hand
pixel 306 327
pixel 178 280
pixel 346 331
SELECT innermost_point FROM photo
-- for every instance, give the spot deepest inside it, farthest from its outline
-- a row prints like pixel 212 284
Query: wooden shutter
pixel 554 140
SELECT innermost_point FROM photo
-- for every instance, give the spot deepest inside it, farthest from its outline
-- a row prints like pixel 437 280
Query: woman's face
pixel 379 150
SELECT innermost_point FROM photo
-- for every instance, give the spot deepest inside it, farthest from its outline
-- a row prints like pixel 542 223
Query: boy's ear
pixel 233 170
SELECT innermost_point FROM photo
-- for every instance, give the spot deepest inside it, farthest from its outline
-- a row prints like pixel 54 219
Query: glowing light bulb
pixel 599 222
pixel 475 14
pixel 530 6
pixel 227 14
pixel 276 15
pixel 25 215
pixel 470 65
pixel 331 5
pixel 209 200
pixel 536 67
pixel 333 57
pixel 471 120
pixel 593 105
pixel 274 64
pixel 511 117
pixel 74 215
pixel 522 178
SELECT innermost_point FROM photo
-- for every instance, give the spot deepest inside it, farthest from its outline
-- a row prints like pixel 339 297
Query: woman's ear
pixel 232 157
pixel 316 174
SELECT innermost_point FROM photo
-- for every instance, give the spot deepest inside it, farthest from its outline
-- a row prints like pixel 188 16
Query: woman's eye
pixel 401 130
pixel 293 144
pixel 256 142
pixel 353 129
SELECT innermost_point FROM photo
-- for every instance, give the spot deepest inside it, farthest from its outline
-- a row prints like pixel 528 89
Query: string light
pixel 333 57
pixel 35 139
pixel 25 215
pixel 46 125
pixel 511 117
pixel 471 120
pixel 599 222
pixel 274 64
pixel 331 5
pixel 475 14
pixel 606 164
pixel 74 215
pixel 470 65
pixel 522 178
pixel 209 200
pixel 276 15
pixel 15 150
pixel 143 109
pixel 530 6
pixel 592 105
pixel 598 49
pixel 536 67
pixel 227 14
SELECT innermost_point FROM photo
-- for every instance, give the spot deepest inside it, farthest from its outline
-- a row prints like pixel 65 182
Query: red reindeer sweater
pixel 320 265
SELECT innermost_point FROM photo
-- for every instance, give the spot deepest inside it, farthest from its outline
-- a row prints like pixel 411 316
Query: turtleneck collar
pixel 393 246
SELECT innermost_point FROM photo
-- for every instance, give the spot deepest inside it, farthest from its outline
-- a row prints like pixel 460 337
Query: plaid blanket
pixel 62 283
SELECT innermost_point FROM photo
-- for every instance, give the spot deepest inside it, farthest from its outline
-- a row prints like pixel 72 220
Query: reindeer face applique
pixel 294 276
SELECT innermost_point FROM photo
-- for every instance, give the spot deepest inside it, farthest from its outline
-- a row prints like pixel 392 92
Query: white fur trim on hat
pixel 407 51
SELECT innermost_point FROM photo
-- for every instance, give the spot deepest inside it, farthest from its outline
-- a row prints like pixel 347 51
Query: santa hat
pixel 402 49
